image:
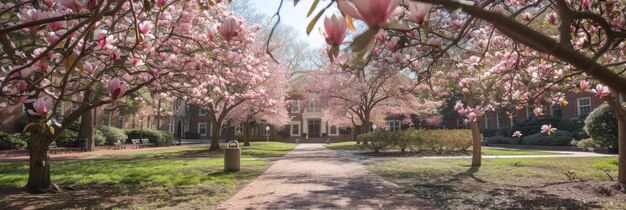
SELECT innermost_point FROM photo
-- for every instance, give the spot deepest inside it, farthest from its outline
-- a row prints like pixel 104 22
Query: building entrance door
pixel 315 128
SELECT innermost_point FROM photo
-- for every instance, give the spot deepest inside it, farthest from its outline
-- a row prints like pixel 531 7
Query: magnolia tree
pixel 87 52
pixel 362 94
pixel 229 70
pixel 555 40
pixel 270 109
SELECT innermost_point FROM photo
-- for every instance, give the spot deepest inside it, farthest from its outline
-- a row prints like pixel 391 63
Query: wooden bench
pixel 118 145
pixel 136 143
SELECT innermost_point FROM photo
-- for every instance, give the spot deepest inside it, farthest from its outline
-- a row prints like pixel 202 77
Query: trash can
pixel 82 143
pixel 232 157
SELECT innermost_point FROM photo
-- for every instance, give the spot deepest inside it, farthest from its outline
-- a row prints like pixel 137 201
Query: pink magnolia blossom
pixel 602 90
pixel 584 85
pixel 161 3
pixel 538 111
pixel 336 29
pixel 41 107
pixel 229 28
pixel 552 17
pixel 527 16
pixel 74 5
pixel 517 134
pixel 144 27
pixel 3 105
pixel 548 129
pixel 418 11
pixel 374 13
pixel 117 88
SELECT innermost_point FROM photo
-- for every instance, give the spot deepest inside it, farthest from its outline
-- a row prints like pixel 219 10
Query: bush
pixel 98 137
pixel 501 140
pixel 586 144
pixel 489 132
pixel 190 135
pixel 345 130
pixel 601 125
pixel 532 125
pixel 156 137
pixel 404 139
pixel 559 138
pixel 11 142
pixel 575 126
pixel 68 138
pixel 378 140
pixel 503 132
pixel 285 132
pixel 112 134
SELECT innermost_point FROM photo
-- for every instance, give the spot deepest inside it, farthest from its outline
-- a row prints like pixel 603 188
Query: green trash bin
pixel 232 157
pixel 82 143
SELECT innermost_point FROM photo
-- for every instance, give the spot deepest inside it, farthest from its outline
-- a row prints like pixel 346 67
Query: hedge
pixel 532 125
pixel 112 134
pixel 191 135
pixel 559 138
pixel 601 125
pixel 156 137
pixel 501 140
pixel 419 140
pixel 12 142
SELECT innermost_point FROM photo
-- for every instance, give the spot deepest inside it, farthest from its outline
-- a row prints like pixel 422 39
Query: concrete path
pixel 314 177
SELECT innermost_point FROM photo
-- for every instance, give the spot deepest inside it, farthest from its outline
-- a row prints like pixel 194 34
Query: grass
pixel 520 183
pixel 188 177
pixel 255 150
pixel 351 145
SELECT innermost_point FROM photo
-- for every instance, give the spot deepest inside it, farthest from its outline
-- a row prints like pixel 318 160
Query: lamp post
pixel 374 127
pixel 267 133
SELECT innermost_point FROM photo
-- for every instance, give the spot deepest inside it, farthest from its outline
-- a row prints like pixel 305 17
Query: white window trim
pixel 389 122
pixel 552 110
pixel 291 128
pixel 206 127
pixel 336 131
pixel 578 104
pixel 530 111
pixel 200 112
pixel 295 104
pixel 498 123
pixel 487 119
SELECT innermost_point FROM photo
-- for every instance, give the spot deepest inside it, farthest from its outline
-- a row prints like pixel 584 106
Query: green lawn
pixel 452 184
pixel 351 145
pixel 193 176
pixel 255 150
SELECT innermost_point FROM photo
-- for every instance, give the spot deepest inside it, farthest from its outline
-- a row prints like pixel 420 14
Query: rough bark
pixel 620 114
pixel 86 130
pixel 215 135
pixel 366 128
pixel 476 138
pixel 39 167
pixel 246 133
pixel 355 133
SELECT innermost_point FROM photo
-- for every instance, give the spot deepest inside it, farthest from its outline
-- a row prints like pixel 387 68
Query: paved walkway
pixel 313 177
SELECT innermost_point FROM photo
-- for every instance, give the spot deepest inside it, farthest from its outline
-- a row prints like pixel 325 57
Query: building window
pixel 202 128
pixel 202 112
pixel 106 117
pixel 556 111
pixel 584 106
pixel 513 117
pixel 530 112
pixel 501 117
pixel 295 129
pixel 295 106
pixel 121 121
pixel 333 130
pixel 460 123
pixel 487 120
pixel 170 124
pixel 394 125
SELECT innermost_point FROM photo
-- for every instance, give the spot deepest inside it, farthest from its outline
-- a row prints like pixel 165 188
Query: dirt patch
pixel 469 193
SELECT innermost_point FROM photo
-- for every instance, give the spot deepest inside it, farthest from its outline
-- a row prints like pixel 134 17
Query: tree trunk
pixel 215 135
pixel 476 138
pixel 39 168
pixel 476 141
pixel 366 127
pixel 620 114
pixel 355 133
pixel 86 130
pixel 246 133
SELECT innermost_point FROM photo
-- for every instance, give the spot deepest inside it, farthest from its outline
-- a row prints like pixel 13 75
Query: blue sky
pixel 296 17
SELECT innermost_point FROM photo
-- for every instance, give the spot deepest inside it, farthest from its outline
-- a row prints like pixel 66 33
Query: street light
pixel 374 127
pixel 267 133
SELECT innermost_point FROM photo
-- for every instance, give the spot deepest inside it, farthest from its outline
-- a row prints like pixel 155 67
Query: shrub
pixel 559 138
pixel 586 144
pixel 489 132
pixel 168 139
pixel 191 135
pixel 532 125
pixel 345 130
pixel 501 140
pixel 575 126
pixel 98 137
pixel 403 139
pixel 11 142
pixel 68 138
pixel 380 140
pixel 503 132
pixel 112 134
pixel 601 125
pixel 285 132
